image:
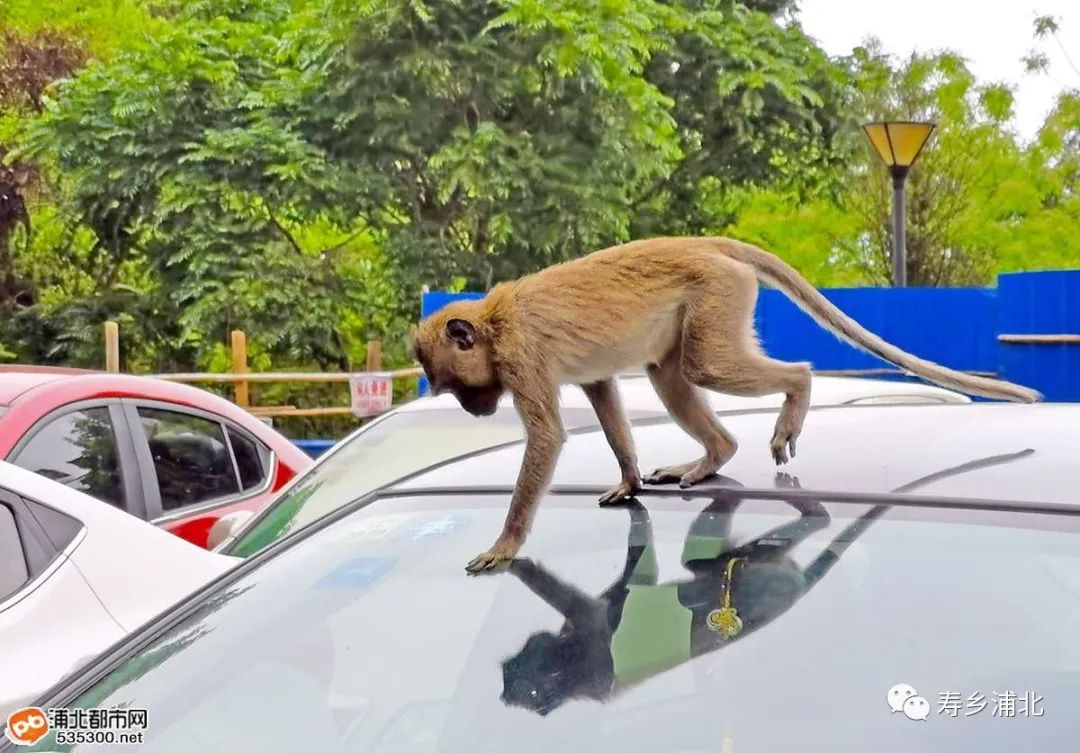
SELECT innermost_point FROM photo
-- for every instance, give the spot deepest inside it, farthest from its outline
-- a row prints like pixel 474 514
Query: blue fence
pixel 314 447
pixel 1031 306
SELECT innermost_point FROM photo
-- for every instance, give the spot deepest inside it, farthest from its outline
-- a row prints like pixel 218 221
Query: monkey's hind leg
pixel 604 397
pixel 689 409
pixel 756 375
pixel 721 353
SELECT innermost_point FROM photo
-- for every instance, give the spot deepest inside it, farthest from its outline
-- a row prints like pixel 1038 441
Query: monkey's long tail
pixel 775 271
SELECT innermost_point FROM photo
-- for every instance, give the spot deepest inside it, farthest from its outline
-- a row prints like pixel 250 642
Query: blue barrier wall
pixel 951 326
pixel 956 327
pixel 314 447
pixel 1041 303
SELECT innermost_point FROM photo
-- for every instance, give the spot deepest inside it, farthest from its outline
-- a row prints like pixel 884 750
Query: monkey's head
pixel 454 348
pixel 551 669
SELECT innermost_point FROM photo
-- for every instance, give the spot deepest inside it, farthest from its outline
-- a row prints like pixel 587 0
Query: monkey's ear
pixel 463 333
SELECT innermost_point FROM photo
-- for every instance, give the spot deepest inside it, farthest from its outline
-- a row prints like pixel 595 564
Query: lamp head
pixel 900 142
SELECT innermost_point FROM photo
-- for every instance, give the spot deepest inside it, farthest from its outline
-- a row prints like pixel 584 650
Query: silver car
pixel 910 582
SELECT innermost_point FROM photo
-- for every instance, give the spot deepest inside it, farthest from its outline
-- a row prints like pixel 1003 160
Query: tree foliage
pixel 301 168
pixel 978 200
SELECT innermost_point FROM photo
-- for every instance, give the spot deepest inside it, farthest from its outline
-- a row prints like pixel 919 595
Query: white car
pixel 435 429
pixel 76 575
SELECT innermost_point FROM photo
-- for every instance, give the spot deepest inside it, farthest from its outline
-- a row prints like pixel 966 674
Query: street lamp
pixel 898 143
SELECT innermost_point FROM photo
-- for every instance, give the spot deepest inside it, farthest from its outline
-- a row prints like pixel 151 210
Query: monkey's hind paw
pixel 621 493
pixel 687 474
pixel 502 553
pixel 670 474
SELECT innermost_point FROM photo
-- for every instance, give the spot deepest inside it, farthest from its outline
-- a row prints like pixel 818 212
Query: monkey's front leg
pixel 604 397
pixel 545 438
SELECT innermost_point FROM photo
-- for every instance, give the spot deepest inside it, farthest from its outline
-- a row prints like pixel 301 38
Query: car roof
pixel 25 385
pixel 17 379
pixel 990 451
pixel 637 393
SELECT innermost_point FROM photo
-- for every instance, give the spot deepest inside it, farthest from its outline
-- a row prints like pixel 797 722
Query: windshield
pixel 678 625
pixel 398 445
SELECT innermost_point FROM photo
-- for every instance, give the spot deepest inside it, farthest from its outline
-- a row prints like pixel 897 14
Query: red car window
pixel 191 458
pixel 77 448
pixel 252 459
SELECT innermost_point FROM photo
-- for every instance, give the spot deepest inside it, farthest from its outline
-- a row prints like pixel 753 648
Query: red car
pixel 170 454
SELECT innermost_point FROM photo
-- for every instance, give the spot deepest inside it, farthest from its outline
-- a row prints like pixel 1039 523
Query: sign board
pixel 371 393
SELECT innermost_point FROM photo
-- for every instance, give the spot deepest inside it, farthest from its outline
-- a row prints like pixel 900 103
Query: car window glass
pixel 449 655
pixel 13 570
pixel 77 449
pixel 252 459
pixel 390 449
pixel 60 528
pixel 191 459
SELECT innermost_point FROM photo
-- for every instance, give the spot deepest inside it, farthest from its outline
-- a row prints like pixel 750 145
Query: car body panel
pixel 47 631
pixel 636 390
pixel 130 590
pixel 38 393
pixel 116 574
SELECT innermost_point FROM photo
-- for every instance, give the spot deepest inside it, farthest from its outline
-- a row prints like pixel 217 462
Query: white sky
pixel 992 41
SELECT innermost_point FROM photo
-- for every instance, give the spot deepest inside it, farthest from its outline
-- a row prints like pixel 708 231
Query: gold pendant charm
pixel 726 621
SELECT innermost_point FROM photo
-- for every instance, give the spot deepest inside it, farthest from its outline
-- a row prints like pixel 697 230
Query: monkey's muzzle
pixel 478 401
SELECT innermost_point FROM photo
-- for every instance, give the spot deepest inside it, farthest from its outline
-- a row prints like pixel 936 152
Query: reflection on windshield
pixel 639 628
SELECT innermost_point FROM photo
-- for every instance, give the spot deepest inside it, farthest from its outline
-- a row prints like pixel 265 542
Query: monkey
pixel 639 628
pixel 682 308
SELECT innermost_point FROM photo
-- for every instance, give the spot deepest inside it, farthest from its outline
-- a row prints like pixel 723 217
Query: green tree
pixel 29 64
pixel 301 168
pixel 496 138
pixel 978 200
pixel 1037 60
pixel 104 26
pixel 186 156
pixel 758 105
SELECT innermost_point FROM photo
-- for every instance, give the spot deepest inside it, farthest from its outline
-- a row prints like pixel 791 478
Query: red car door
pixel 196 466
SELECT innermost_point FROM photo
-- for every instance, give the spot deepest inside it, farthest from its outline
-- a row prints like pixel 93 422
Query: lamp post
pixel 898 143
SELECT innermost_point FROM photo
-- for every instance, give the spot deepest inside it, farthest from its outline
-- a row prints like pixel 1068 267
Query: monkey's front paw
pixel 624 491
pixel 780 445
pixel 504 551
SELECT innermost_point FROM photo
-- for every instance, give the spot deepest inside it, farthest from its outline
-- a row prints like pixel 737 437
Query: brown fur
pixel 681 307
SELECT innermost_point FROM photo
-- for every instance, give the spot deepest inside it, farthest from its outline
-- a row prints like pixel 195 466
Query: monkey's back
pixel 618 308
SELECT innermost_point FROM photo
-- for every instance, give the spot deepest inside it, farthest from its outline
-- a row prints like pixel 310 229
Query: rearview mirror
pixel 225 529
